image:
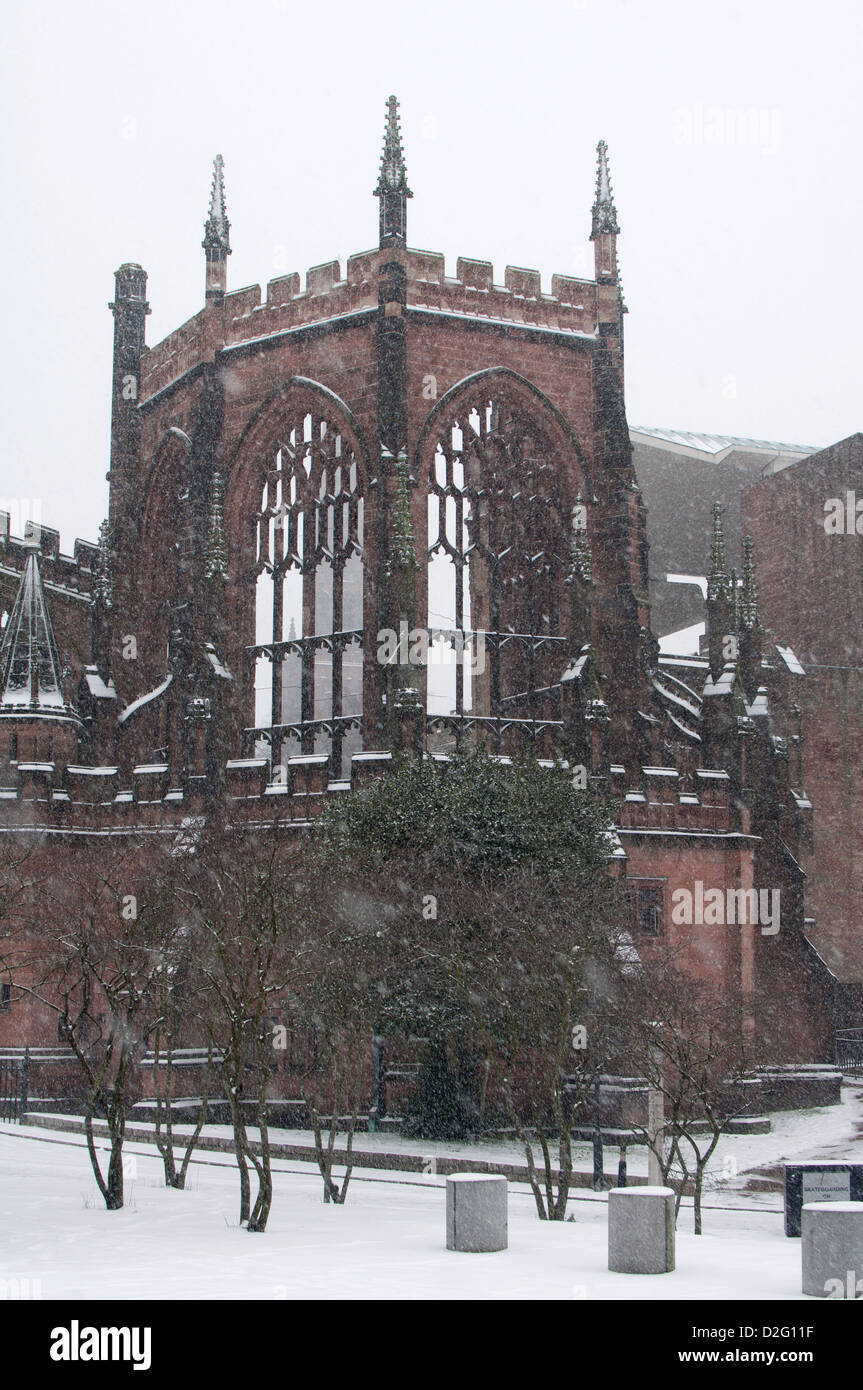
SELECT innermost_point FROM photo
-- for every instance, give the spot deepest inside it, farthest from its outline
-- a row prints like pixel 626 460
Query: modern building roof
pixel 717 446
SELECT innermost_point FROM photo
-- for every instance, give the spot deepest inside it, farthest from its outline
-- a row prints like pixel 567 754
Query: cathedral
pixel 390 508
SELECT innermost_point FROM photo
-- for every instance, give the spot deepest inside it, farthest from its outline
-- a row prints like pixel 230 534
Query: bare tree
pixel 177 986
pixel 163 1065
pixel 102 945
pixel 238 903
pixel 548 1014
pixel 336 999
pixel 334 1090
pixel 689 1044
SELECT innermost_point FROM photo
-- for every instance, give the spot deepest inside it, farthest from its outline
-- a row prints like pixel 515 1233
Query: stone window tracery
pixel 497 555
pixel 309 597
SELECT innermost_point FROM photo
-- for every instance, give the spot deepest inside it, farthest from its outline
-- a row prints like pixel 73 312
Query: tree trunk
pixel 263 1168
pixel 114 1194
pixel 565 1178
pixel 699 1181
pixel 116 1114
pixel 349 1154
pixel 201 1121
pixel 165 1142
pixel 546 1161
pixel 240 1150
pixel 323 1155
pixel 533 1175
pixel 91 1148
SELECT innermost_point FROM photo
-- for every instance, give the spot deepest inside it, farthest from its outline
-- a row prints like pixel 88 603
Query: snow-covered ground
pixel 388 1241
pixel 834 1131
pixel 737 1172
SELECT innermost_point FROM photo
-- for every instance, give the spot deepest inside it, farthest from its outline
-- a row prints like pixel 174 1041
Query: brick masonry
pixel 392 356
pixel 811 595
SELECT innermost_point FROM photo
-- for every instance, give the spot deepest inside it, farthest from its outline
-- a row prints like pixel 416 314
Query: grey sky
pixel 739 247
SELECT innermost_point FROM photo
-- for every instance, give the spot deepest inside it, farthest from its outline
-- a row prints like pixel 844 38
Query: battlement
pixel 46 795
pixel 574 306
pixel 668 799
pixel 69 575
pixel 97 799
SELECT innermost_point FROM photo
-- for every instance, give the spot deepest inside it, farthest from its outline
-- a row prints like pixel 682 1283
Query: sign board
pixel 827 1181
pixel 827 1185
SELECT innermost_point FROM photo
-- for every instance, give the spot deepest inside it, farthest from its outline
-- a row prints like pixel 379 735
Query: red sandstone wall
pixel 810 588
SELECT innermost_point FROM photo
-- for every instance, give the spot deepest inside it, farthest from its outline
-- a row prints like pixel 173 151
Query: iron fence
pixel 14 1080
pixel 849 1050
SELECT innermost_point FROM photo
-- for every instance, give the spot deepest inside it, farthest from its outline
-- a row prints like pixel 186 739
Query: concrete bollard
pixel 641 1230
pixel 476 1212
pixel 833 1249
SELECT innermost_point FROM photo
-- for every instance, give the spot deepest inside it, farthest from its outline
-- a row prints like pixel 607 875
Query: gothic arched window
pixel 498 549
pixel 309 596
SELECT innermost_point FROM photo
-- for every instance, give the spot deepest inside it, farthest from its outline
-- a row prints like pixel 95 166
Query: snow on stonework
pixel 271 530
pixel 604 212
pixel 217 227
pixel 29 665
pixel 97 687
pixel 145 699
pixel 393 173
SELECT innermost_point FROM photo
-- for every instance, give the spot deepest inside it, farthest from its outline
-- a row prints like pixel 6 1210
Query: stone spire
pixel 216 554
pixel 130 309
pixel 102 604
pixel 30 680
pixel 604 212
pixel 406 715
pixel 717 580
pixel 604 226
pixel 36 721
pixel 749 592
pixel 217 240
pixel 751 631
pixel 579 577
pixel 579 549
pixel 735 602
pixel 392 186
pixel 402 562
pixel 721 622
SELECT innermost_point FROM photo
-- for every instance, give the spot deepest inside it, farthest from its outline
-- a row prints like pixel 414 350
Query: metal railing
pixel 14 1079
pixel 849 1050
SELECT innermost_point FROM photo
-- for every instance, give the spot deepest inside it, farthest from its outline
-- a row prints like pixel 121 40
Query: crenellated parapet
pixel 247 315
pixel 48 796
pixel 67 576
pixel 674 799
pixel 666 799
